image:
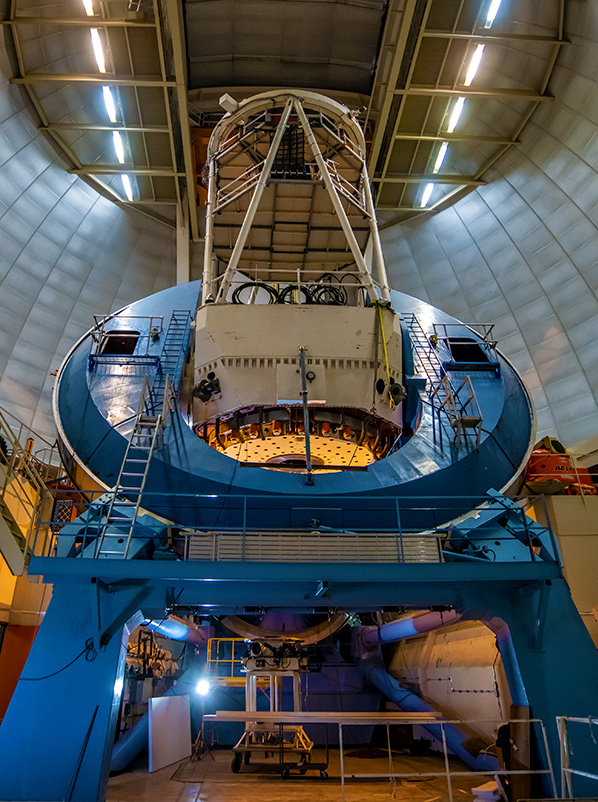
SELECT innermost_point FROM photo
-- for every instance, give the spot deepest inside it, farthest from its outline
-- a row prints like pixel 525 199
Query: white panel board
pixel 169 731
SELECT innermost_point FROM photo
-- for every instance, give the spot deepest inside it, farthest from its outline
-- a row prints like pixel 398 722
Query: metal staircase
pixel 172 357
pixel 120 518
pixel 463 413
pixel 21 496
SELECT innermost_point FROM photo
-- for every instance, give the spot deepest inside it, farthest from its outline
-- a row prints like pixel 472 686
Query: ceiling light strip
pixel 492 12
pixel 98 50
pixel 426 195
pixel 455 114
pixel 474 64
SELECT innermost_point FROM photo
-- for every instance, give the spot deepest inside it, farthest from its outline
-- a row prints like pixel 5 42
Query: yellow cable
pixel 385 353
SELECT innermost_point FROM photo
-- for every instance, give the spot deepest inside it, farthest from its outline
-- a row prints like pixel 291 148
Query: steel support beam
pixel 494 37
pixel 362 268
pixel 83 22
pixel 489 140
pixel 143 129
pixel 179 56
pixel 98 78
pixel 518 94
pixel 463 180
pixel 253 204
pixel 183 250
pixel 92 169
pixel 397 58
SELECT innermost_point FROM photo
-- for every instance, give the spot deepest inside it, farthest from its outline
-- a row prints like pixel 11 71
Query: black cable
pixel 285 294
pixel 90 655
pixel 236 297
pixel 329 295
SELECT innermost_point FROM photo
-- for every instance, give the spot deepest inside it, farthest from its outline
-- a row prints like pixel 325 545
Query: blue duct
pixel 509 660
pixel 412 703
pixel 410 625
pixel 175 628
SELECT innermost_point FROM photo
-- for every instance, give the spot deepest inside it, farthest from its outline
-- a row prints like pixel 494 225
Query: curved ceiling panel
pixel 329 45
pixel 66 254
pixel 521 251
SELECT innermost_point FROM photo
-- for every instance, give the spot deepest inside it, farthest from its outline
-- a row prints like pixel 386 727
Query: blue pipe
pixel 412 703
pixel 176 629
pixel 509 660
pixel 410 625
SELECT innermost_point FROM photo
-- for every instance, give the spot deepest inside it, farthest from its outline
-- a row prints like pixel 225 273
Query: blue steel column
pixel 557 662
pixel 56 738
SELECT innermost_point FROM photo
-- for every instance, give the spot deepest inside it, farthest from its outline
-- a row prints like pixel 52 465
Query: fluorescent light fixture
pixel 492 12
pixel 109 103
pixel 440 157
pixel 474 64
pixel 455 114
pixel 426 195
pixel 127 187
pixel 88 6
pixel 118 146
pixel 97 49
pixel 203 687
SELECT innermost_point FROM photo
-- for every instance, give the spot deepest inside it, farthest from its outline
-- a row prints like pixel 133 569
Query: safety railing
pixel 335 528
pixel 393 766
pixel 586 744
pixel 448 771
pixel 301 286
pixel 35 449
pixel 139 351
pixel 224 657
pixel 23 480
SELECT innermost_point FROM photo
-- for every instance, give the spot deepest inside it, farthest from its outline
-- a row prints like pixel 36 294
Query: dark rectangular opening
pixel 465 349
pixel 119 342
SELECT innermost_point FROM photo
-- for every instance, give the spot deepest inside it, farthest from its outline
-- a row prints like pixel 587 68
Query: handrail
pixel 20 473
pixel 242 539
pixel 567 773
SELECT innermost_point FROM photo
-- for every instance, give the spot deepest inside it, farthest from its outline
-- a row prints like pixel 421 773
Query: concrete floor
pixel 212 781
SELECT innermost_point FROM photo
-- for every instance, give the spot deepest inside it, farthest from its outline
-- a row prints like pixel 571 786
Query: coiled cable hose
pixel 329 295
pixel 273 295
pixel 286 296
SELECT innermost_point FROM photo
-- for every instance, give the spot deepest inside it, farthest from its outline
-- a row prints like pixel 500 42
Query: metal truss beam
pixel 289 223
pixel 422 209
pixel 107 169
pixel 490 140
pixel 494 37
pixel 461 180
pixel 141 208
pixel 398 49
pixel 519 94
pixel 144 129
pixel 92 78
pixel 179 57
pixel 83 22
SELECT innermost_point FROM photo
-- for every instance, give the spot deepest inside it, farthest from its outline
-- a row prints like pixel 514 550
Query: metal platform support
pixel 260 737
pixel 64 710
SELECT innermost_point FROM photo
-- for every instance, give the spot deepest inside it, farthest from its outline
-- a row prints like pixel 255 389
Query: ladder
pixel 118 527
pixel 171 359
pixel 463 414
